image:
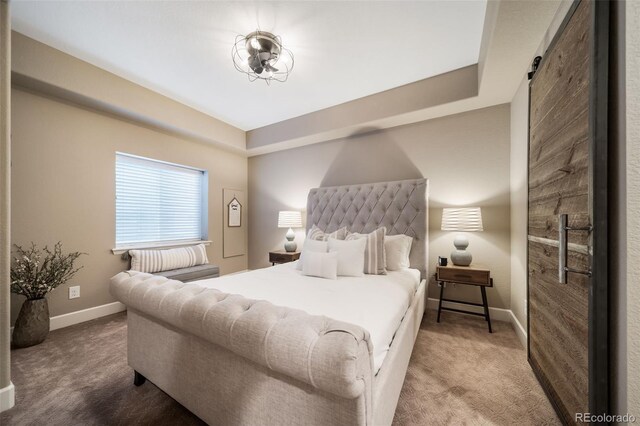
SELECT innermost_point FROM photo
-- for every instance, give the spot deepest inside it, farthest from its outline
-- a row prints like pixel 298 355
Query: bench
pixel 192 273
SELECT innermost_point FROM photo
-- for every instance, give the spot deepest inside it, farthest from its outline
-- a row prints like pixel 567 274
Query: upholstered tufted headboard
pixel 402 206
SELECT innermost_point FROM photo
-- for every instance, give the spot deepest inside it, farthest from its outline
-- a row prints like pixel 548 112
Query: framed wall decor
pixel 234 219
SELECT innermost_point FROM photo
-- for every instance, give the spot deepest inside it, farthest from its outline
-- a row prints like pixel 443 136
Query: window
pixel 159 203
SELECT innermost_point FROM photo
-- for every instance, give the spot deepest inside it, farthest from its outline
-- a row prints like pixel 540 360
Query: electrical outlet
pixel 74 292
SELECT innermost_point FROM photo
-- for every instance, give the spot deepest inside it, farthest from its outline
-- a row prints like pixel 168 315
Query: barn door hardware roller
pixel 563 229
pixel 534 66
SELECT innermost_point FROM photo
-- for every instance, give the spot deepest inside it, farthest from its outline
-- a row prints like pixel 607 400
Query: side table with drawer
pixel 283 256
pixel 475 275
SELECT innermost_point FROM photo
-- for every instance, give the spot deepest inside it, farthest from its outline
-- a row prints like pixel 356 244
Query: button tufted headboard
pixel 402 206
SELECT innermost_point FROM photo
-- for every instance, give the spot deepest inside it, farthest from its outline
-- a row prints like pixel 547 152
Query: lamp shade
pixel 289 219
pixel 462 219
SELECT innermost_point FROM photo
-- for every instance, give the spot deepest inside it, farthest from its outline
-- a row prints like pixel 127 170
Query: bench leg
pixel 487 317
pixel 138 379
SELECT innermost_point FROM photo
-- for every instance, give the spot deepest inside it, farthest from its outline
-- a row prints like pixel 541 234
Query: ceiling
pixel 182 49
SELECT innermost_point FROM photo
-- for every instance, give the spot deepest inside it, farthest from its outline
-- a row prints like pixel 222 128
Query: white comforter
pixel 377 303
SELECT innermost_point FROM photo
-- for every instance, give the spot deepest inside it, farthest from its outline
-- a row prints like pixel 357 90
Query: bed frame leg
pixel 138 379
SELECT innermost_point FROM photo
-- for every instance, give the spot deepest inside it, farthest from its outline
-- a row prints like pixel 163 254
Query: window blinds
pixel 158 202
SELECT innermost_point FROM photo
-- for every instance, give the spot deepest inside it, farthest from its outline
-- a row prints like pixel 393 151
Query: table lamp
pixel 290 219
pixel 468 219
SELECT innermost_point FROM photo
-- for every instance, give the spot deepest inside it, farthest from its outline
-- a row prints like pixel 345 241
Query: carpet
pixel 461 374
pixel 458 374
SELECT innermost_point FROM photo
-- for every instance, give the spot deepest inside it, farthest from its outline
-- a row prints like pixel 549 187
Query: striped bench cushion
pixel 151 261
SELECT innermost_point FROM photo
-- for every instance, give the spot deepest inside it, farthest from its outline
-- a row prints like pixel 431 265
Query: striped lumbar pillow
pixel 374 257
pixel 165 260
pixel 316 233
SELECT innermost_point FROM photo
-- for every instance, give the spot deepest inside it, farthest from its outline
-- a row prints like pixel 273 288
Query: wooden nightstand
pixel 283 256
pixel 467 275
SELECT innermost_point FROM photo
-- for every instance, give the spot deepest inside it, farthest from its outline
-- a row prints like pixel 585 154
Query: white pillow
pixel 323 265
pixel 311 245
pixel 350 256
pixel 397 249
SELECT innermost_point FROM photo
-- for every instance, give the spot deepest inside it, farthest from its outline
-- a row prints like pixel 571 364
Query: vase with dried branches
pixel 34 273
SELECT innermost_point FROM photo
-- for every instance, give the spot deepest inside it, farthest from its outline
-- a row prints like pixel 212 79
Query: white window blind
pixel 158 202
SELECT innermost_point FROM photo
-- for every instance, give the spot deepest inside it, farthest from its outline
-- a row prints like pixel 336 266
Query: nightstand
pixel 283 256
pixel 475 275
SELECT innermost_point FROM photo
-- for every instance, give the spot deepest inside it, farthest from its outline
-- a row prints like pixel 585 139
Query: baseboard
pixel 497 314
pixel 7 397
pixel 61 321
pixel 520 331
pixel 65 320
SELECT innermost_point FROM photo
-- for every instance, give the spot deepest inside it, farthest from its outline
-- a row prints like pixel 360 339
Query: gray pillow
pixel 316 233
pixel 374 256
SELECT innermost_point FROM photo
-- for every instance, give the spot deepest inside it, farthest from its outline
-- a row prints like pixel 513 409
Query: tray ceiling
pixel 343 50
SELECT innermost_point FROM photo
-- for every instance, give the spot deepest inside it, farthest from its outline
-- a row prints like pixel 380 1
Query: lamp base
pixel 460 256
pixel 290 246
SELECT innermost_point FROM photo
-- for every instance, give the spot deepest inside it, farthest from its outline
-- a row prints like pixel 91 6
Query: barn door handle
pixel 563 228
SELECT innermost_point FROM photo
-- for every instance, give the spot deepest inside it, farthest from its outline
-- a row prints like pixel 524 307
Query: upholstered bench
pixel 200 272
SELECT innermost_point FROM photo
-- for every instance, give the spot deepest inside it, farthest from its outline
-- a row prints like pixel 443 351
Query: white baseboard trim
pixel 497 314
pixel 520 331
pixel 61 321
pixel 7 397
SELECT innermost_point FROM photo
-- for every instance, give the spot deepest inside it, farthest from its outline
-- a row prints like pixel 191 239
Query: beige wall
pixel 386 109
pixel 49 70
pixel 519 203
pixel 633 204
pixel 464 156
pixel 63 187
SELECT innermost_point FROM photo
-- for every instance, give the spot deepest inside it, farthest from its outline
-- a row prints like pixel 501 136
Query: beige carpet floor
pixel 459 374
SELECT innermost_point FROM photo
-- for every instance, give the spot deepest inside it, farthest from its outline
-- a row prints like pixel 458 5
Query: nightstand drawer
pixel 283 257
pixel 463 275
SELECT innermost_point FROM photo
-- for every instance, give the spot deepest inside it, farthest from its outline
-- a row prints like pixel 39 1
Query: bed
pixel 273 347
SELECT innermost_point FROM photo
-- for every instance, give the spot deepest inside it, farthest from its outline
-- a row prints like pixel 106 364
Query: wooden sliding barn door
pixel 567 253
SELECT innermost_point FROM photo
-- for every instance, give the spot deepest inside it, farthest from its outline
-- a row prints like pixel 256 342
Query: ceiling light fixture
pixel 257 55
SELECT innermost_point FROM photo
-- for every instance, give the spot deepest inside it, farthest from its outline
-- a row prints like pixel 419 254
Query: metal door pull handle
pixel 563 228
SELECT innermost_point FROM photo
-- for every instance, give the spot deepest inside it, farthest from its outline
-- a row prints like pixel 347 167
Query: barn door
pixel 567 247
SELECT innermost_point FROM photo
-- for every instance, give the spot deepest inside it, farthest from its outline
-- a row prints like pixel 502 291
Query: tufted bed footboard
pixel 232 360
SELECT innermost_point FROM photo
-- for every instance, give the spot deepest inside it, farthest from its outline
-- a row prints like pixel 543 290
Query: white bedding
pixel 377 303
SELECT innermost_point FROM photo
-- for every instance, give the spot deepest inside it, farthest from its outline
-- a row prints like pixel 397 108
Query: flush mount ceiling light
pixel 260 55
